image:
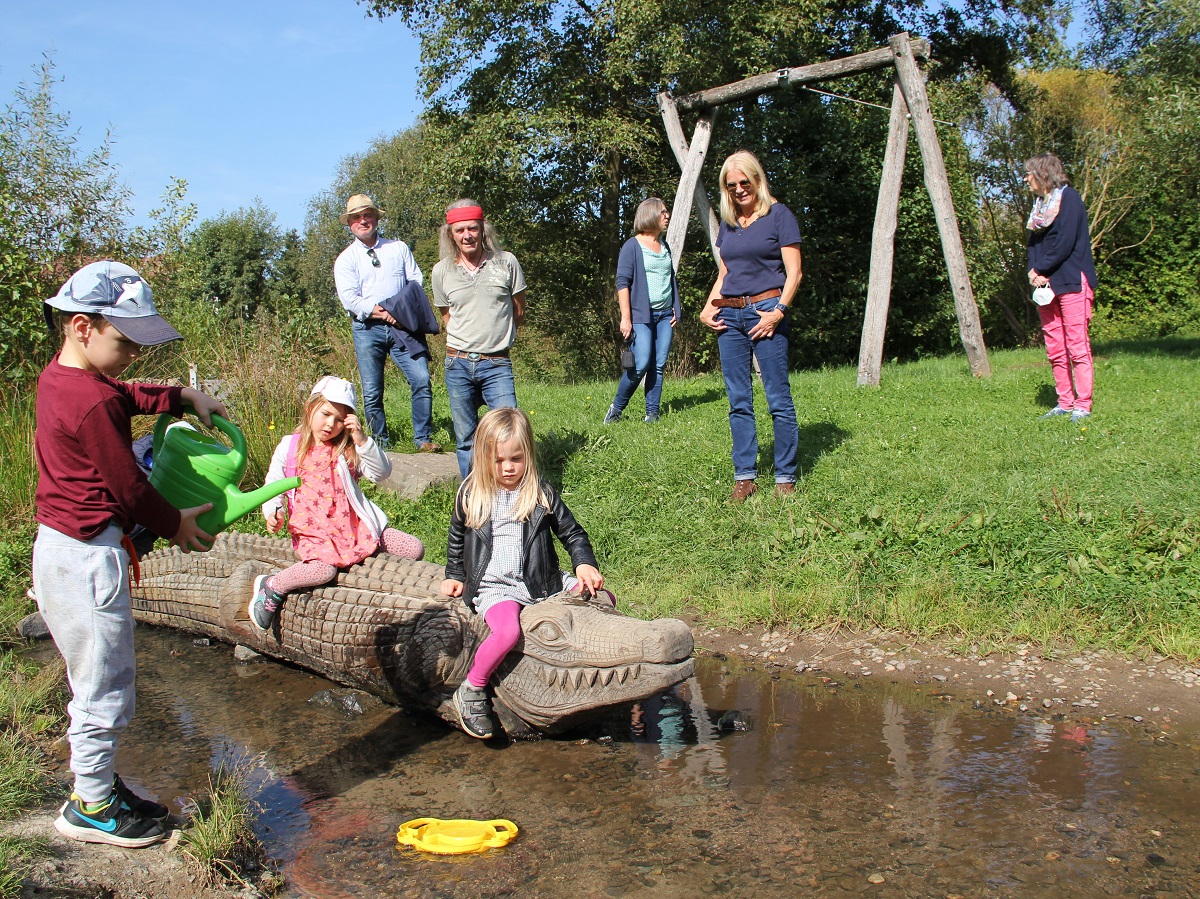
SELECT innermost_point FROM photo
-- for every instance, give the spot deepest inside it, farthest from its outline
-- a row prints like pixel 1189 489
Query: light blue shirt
pixel 658 277
pixel 362 286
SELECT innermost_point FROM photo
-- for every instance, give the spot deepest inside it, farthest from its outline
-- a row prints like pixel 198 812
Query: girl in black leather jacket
pixel 500 553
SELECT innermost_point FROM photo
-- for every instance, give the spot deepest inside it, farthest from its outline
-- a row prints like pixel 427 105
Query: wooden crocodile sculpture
pixel 383 627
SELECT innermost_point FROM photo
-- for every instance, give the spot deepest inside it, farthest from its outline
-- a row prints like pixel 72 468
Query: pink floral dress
pixel 323 524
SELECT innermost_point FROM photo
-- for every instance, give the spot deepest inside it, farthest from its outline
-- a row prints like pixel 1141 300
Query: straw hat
pixel 358 203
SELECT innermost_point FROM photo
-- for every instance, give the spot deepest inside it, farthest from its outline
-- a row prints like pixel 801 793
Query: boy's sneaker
pixel 116 824
pixel 147 808
pixel 613 415
pixel 650 418
pixel 1056 412
pixel 1079 415
pixel 474 711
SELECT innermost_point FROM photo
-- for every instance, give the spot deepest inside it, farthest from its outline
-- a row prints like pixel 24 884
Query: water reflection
pixel 830 788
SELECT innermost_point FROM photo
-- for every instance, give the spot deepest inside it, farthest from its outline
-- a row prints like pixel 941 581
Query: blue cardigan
pixel 631 273
pixel 1064 250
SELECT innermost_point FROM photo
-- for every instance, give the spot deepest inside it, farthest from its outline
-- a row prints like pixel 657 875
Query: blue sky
pixel 260 98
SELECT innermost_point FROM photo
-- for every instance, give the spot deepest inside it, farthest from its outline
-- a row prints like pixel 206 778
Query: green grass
pixel 220 839
pixel 937 505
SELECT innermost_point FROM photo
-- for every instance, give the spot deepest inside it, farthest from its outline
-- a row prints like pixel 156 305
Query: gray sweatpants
pixel 83 594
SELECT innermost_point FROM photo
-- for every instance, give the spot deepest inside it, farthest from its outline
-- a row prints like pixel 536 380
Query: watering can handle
pixel 160 430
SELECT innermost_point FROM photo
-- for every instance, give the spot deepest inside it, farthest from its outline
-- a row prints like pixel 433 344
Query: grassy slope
pixel 936 505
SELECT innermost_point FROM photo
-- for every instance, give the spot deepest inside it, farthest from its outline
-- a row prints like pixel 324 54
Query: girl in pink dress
pixel 333 525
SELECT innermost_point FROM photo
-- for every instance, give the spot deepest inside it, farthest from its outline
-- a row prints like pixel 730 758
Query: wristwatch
pixel 781 307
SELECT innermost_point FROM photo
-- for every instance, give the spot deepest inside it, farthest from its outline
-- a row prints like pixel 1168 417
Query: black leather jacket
pixel 468 550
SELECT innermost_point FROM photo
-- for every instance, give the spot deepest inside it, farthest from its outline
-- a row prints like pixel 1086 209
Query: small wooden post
pixel 938 186
pixel 688 181
pixel 887 210
pixel 678 141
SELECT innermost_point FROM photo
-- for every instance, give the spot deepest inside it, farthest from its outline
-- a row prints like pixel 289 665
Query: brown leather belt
pixel 743 302
pixel 475 357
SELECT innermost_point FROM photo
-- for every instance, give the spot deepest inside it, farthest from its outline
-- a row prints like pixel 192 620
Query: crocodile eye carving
pixel 548 633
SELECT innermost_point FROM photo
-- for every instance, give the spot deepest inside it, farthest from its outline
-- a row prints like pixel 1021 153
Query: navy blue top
pixel 1063 251
pixel 752 255
pixel 631 273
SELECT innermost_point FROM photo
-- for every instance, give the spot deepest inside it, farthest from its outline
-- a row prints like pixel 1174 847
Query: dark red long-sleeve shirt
pixel 87 475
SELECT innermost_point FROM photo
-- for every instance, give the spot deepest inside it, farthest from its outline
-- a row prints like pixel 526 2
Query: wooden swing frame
pixel 909 101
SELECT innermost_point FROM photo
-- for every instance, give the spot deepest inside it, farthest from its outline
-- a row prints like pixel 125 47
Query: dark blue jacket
pixel 414 318
pixel 1064 250
pixel 631 273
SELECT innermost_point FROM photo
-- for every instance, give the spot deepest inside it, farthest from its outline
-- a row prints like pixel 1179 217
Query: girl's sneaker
pixel 474 711
pixel 264 605
pixel 116 824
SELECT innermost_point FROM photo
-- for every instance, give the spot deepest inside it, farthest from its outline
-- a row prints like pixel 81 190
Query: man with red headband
pixel 480 290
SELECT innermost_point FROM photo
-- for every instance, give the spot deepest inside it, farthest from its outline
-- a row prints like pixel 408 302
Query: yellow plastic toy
pixel 455 836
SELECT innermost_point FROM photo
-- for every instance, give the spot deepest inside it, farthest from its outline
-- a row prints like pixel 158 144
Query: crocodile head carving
pixel 576 656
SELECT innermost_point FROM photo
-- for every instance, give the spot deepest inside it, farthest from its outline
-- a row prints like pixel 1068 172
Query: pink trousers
pixel 1065 325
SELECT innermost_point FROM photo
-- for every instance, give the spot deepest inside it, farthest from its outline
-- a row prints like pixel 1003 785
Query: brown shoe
pixel 742 491
pixel 430 448
pixel 785 488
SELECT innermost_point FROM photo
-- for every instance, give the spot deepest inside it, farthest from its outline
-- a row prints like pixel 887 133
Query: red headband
pixel 464 214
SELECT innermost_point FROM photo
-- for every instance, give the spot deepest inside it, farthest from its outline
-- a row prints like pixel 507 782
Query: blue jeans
pixel 736 348
pixel 373 343
pixel 471 384
pixel 652 341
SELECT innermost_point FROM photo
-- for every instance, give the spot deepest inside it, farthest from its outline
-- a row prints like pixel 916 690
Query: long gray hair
pixel 446 244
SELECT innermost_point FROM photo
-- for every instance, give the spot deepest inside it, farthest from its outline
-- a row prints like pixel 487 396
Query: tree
pixel 230 262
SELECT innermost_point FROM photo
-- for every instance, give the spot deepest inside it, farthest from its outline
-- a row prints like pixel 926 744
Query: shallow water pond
pixel 738 782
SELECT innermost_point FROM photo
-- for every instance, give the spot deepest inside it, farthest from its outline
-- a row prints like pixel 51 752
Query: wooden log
pixel 679 145
pixel 798 75
pixel 887 210
pixel 677 230
pixel 938 186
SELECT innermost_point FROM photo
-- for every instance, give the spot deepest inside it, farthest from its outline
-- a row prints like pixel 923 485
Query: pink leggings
pixel 504 620
pixel 1065 326
pixel 313 574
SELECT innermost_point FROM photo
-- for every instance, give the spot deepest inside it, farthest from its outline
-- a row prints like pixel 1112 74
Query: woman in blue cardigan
pixel 1060 257
pixel 648 295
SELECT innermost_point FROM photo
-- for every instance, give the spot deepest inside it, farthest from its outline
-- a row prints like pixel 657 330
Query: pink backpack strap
pixel 291 463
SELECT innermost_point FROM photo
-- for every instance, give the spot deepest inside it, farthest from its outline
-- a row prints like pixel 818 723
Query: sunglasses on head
pixel 374 258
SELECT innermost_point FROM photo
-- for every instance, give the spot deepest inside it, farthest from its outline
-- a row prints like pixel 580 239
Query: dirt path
pixel 1160 695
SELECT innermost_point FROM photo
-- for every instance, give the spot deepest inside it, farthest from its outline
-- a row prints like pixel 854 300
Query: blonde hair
pixel 747 163
pixel 647 219
pixel 343 444
pixel 448 249
pixel 479 490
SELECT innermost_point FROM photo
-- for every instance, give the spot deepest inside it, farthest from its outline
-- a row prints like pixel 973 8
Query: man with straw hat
pixel 369 272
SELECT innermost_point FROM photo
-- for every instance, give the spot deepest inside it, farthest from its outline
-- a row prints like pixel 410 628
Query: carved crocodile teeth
pixel 606 676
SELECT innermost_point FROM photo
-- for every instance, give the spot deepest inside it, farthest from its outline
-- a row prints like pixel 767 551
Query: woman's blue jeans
pixel 373 343
pixel 651 342
pixel 736 350
pixel 471 383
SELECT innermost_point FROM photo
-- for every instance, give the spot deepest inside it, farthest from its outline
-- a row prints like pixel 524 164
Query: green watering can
pixel 191 468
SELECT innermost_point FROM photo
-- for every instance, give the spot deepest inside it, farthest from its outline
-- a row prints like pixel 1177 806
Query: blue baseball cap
pixel 118 294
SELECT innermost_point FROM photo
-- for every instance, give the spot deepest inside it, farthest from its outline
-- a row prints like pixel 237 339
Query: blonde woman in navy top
pixel 748 306
pixel 648 295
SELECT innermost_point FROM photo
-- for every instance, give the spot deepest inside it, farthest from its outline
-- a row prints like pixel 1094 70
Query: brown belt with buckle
pixel 475 357
pixel 743 302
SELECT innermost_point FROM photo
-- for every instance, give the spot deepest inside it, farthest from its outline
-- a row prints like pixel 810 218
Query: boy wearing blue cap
pixel 90 491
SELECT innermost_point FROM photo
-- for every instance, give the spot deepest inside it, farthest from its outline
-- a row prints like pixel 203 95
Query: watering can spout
pixel 192 468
